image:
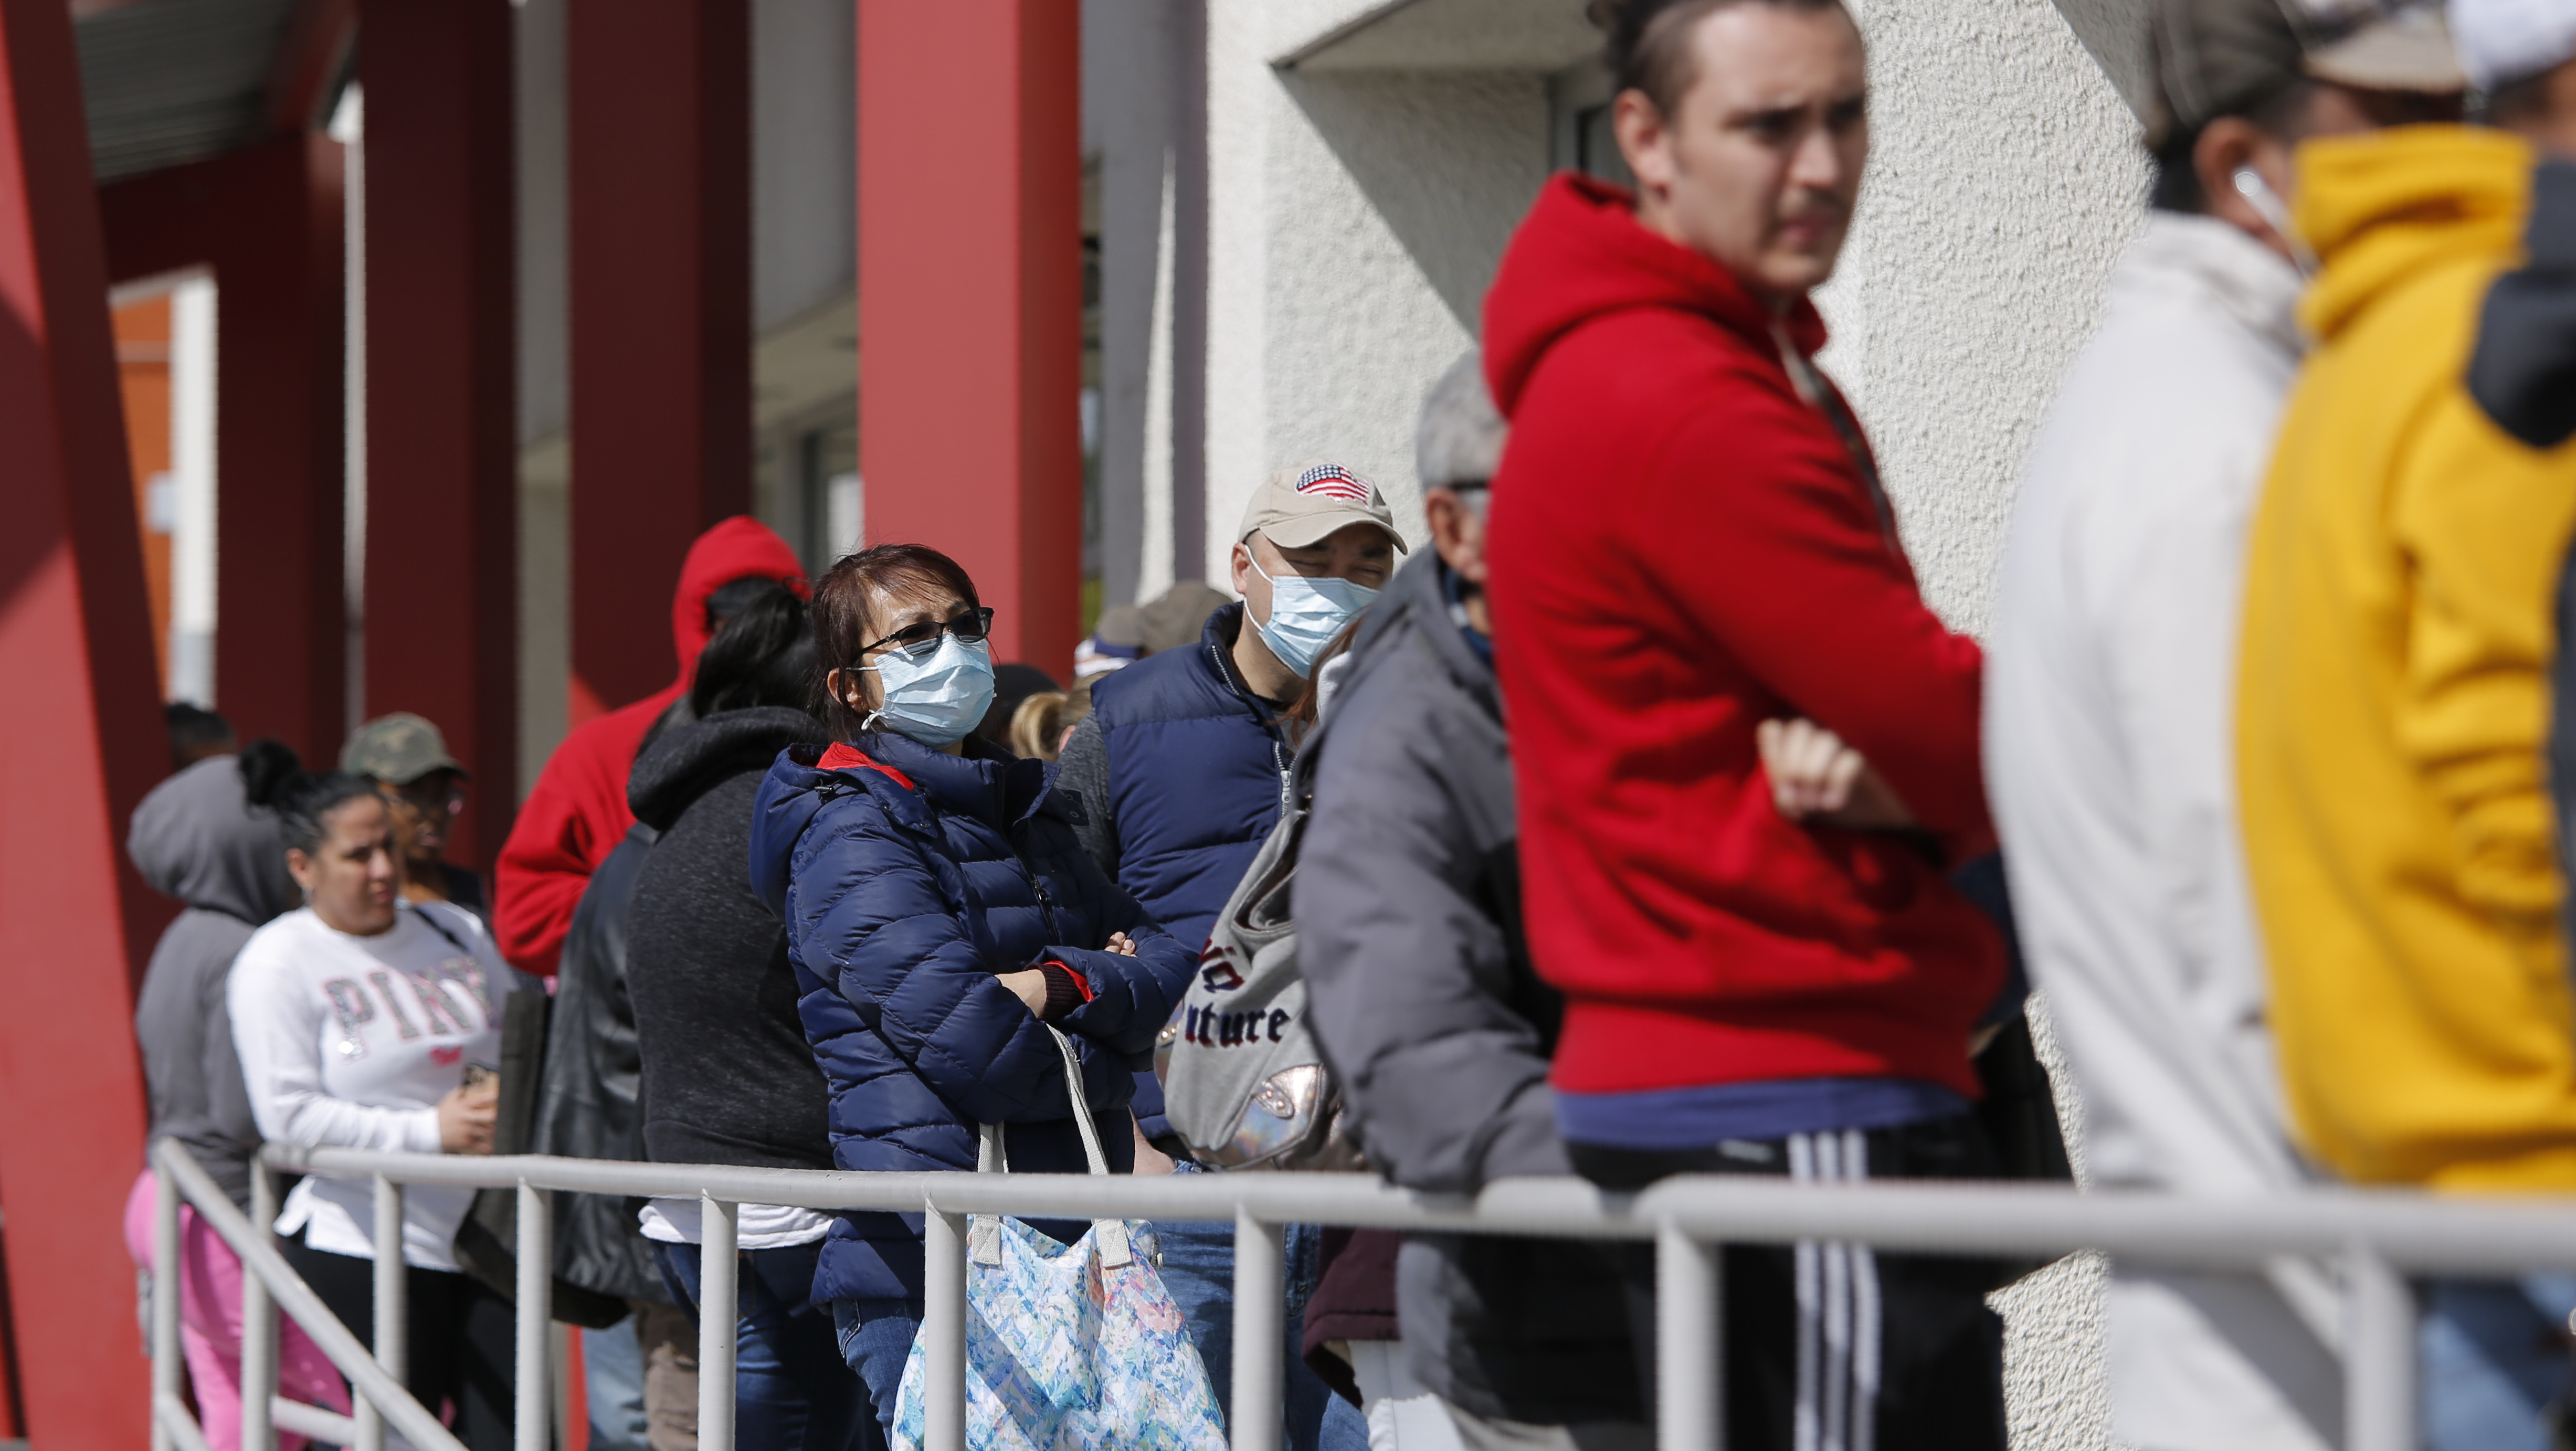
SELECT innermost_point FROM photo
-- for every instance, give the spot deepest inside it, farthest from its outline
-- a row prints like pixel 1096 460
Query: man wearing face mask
pixel 1181 768
pixel 2111 675
pixel 2393 691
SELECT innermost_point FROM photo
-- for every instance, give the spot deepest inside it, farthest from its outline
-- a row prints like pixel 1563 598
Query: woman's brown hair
pixel 844 625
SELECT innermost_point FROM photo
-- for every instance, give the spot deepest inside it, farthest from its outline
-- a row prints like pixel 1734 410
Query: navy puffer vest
pixel 1196 771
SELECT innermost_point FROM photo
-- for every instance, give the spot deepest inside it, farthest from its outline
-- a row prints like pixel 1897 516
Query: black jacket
pixel 586 1096
pixel 728 1077
pixel 1421 993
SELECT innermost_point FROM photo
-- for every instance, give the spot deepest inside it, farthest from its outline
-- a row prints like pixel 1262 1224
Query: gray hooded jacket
pixel 196 839
pixel 1420 990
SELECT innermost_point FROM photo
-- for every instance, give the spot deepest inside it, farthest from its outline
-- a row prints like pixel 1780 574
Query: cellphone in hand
pixel 479 1076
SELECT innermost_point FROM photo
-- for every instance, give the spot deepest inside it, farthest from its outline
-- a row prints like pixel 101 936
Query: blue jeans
pixel 1198 1268
pixel 612 1373
pixel 876 1339
pixel 2492 1361
pixel 791 1391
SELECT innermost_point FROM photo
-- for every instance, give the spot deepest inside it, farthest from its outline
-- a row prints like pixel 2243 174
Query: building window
pixel 1579 114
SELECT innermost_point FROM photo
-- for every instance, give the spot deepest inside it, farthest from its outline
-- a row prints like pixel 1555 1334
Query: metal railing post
pixel 259 1256
pixel 2379 1355
pixel 165 1304
pixel 718 1267
pixel 943 1322
pixel 536 1262
pixel 1690 1343
pixel 1260 1316
pixel 391 1348
pixel 259 1327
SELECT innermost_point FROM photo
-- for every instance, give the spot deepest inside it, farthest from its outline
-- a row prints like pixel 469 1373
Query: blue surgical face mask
pixel 938 700
pixel 1305 615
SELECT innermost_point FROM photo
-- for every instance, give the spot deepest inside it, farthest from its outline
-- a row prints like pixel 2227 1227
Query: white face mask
pixel 938 700
pixel 1305 615
pixel 2266 203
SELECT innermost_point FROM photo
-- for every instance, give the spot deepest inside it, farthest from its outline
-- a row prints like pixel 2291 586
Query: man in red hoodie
pixel 577 812
pixel 1691 553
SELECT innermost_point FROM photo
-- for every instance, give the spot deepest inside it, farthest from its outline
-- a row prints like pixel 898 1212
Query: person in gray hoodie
pixel 197 838
pixel 1420 987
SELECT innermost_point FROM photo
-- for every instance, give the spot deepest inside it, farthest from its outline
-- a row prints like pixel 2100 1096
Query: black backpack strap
pixel 431 919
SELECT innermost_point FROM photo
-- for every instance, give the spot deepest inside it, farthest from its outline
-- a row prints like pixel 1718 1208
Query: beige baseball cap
pixel 2215 57
pixel 1303 504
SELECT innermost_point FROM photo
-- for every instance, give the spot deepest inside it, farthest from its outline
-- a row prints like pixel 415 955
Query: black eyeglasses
pixel 920 642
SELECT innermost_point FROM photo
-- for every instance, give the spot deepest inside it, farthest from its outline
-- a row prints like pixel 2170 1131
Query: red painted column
pixel 80 742
pixel 657 97
pixel 970 301
pixel 268 222
pixel 442 447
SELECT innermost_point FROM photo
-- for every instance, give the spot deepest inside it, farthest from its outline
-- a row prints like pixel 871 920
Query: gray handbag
pixel 1244 1083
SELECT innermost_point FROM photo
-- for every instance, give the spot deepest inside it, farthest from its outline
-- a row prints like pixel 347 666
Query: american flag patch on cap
pixel 1333 482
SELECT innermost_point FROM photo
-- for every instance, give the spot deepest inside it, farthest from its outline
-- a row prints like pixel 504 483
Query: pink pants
pixel 210 1327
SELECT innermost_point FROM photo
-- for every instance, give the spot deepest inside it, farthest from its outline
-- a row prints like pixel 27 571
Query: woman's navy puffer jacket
pixel 906 888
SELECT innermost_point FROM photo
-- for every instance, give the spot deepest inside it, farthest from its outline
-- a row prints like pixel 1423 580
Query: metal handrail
pixel 178 1175
pixel 2374 1235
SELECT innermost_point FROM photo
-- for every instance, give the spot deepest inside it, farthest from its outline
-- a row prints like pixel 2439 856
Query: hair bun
pixel 268 768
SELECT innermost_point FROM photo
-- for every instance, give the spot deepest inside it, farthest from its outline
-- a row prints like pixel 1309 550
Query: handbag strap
pixel 1091 1153
pixel 983 1233
pixel 1809 381
pixel 990 1156
pixel 441 929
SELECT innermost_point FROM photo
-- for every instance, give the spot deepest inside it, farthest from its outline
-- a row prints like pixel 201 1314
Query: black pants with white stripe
pixel 1832 1346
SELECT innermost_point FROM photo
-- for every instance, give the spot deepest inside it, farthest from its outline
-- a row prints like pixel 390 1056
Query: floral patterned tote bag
pixel 1069 1347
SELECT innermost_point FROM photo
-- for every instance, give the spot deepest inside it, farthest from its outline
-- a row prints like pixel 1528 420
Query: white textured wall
pixel 2004 179
pixel 1355 218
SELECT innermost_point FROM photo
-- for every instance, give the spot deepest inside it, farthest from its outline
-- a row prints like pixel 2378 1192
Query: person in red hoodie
pixel 577 812
pixel 1693 567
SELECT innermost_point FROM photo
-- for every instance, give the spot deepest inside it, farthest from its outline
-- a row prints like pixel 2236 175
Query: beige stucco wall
pixel 1353 222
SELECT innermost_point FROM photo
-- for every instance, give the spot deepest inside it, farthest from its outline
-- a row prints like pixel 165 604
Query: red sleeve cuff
pixel 1066 990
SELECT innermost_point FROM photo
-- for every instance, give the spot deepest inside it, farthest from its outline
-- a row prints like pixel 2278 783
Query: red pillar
pixel 970 301
pixel 80 742
pixel 267 221
pixel 442 447
pixel 658 142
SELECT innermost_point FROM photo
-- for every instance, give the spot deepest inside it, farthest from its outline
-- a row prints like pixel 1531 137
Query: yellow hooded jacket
pixel 2393 691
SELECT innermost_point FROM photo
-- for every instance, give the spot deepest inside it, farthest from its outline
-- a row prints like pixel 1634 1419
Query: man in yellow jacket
pixel 2393 686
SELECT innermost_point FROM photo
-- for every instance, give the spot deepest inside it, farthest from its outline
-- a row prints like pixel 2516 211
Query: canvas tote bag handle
pixel 983 1234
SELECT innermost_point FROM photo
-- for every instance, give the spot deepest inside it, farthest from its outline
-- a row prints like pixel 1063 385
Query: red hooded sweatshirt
pixel 1682 548
pixel 577 812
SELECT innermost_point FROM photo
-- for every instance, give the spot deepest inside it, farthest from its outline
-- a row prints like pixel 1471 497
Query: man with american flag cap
pixel 1181 769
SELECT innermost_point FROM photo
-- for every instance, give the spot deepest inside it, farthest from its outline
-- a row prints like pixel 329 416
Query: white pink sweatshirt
pixel 349 1042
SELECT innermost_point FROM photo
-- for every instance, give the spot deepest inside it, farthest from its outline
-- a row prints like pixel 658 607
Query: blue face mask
pixel 938 700
pixel 1305 615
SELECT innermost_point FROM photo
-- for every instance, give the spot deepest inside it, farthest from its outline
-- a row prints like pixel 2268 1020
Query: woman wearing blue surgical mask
pixel 941 916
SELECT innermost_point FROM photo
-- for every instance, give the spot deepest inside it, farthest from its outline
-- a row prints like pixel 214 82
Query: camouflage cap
pixel 398 749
